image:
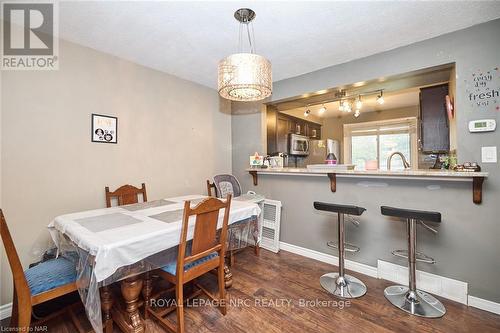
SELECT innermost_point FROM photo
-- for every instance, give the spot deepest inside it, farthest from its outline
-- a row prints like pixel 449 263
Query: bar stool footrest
pixel 420 257
pixel 347 247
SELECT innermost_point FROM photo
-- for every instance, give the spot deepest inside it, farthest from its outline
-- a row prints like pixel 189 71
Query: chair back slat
pixel 211 186
pixel 205 232
pixel 20 283
pixel 205 240
pixel 126 195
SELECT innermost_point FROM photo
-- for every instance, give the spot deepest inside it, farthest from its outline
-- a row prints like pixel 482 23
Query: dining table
pixel 123 244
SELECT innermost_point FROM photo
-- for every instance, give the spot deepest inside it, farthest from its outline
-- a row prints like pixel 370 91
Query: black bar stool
pixel 410 299
pixel 340 284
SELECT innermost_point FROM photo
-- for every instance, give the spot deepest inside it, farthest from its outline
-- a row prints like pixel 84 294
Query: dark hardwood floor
pixel 281 293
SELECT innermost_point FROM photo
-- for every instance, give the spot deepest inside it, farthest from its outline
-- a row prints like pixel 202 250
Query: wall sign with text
pixel 483 90
pixel 104 128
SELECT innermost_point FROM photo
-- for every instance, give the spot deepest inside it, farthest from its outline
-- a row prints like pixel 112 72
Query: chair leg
pixel 14 317
pixel 222 289
pixel 24 319
pixel 180 307
pixel 256 248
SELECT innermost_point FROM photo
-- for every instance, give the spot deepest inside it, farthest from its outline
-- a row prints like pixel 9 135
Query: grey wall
pixel 172 134
pixel 467 247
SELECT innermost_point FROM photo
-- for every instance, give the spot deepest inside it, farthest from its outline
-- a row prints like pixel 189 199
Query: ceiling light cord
pixel 240 42
pixel 250 34
pixel 254 44
pixel 250 38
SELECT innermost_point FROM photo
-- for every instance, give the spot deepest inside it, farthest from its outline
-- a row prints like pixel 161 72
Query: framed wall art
pixel 104 128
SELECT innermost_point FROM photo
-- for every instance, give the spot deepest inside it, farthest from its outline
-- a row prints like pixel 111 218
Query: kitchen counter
pixel 476 178
pixel 426 173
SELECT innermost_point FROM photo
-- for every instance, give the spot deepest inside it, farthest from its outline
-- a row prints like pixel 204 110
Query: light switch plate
pixel 489 154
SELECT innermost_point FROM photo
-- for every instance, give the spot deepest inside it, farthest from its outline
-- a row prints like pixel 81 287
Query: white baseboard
pixel 484 304
pixel 329 259
pixel 435 284
pixel 5 311
pixel 445 287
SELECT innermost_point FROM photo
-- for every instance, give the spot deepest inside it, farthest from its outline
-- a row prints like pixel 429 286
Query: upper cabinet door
pixel 283 129
pixel 313 130
pixel 435 130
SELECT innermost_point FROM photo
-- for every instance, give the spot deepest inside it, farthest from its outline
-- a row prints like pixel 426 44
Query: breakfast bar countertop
pixel 423 173
pixel 477 178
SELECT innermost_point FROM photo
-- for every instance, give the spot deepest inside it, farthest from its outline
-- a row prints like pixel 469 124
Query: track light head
pixel 359 103
pixel 380 98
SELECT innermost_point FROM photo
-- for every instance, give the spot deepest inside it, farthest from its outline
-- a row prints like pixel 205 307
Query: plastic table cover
pixel 110 244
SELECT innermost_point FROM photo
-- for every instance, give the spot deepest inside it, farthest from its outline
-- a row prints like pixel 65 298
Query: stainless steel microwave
pixel 298 145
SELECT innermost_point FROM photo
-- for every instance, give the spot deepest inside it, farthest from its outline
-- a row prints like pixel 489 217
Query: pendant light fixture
pixel 245 76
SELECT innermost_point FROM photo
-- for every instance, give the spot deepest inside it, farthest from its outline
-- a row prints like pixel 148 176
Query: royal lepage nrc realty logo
pixel 29 36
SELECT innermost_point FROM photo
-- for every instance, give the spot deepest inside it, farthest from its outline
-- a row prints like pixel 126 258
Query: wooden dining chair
pixel 126 195
pixel 201 255
pixel 211 186
pixel 41 283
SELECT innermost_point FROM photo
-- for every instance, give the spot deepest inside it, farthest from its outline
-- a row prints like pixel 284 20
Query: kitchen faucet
pixel 405 162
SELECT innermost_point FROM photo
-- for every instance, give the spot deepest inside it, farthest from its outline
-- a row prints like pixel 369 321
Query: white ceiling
pixel 187 39
pixel 392 100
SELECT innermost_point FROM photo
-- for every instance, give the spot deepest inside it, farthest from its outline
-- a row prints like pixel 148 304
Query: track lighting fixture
pixel 380 97
pixel 359 103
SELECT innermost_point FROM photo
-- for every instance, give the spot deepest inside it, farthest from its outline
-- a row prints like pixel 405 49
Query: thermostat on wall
pixel 482 125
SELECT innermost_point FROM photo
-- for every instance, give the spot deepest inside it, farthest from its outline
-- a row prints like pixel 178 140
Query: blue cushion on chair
pixel 50 274
pixel 172 266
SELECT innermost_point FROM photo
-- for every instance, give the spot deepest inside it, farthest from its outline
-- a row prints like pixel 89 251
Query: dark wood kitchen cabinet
pixel 284 127
pixel 313 131
pixel 434 126
pixel 279 125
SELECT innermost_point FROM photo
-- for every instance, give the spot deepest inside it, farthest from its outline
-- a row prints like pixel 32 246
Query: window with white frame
pixel 373 142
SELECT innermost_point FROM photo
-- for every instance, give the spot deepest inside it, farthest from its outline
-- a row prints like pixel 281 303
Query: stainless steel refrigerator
pixel 319 149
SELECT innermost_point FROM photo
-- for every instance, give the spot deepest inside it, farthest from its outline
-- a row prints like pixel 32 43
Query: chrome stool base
pixel 346 287
pixel 420 304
